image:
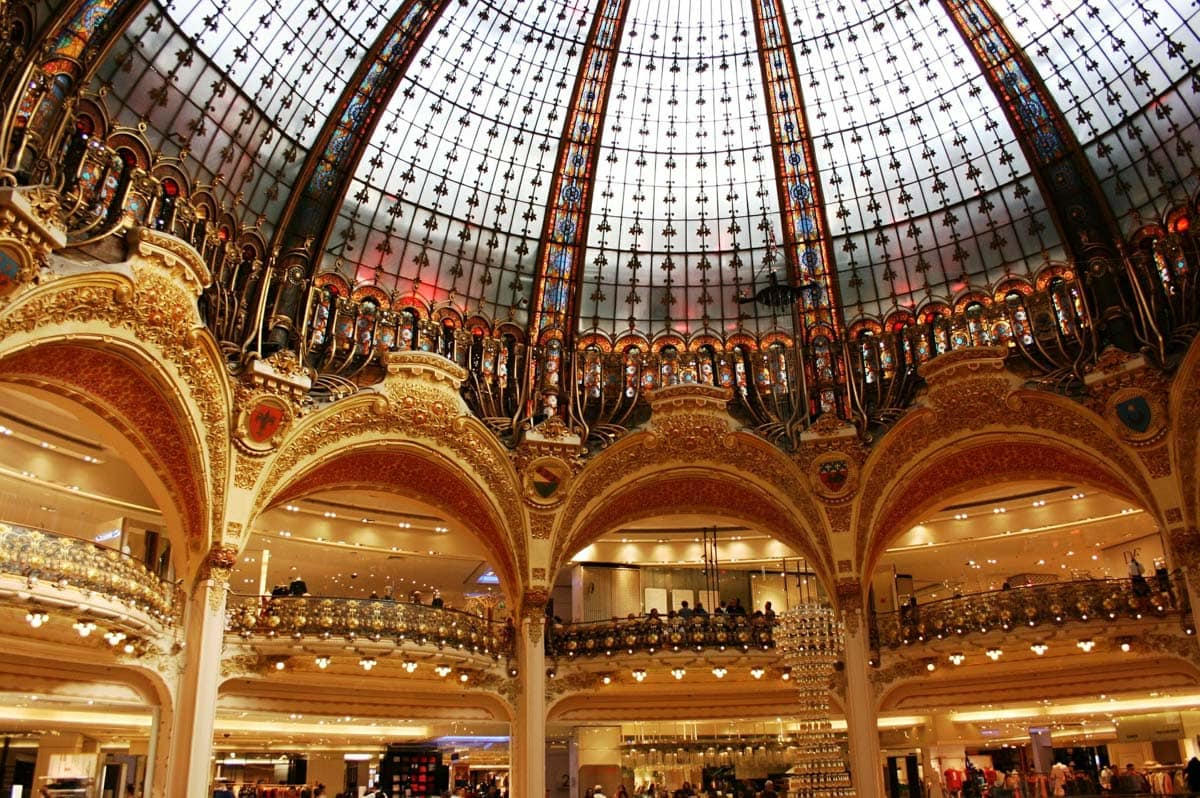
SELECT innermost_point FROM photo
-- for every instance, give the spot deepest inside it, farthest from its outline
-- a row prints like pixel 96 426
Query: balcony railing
pixel 50 562
pixel 324 618
pixel 651 634
pixel 1053 604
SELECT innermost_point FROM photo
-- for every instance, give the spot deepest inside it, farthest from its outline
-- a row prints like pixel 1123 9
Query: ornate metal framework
pixel 1080 211
pixel 564 236
pixel 310 213
pixel 807 247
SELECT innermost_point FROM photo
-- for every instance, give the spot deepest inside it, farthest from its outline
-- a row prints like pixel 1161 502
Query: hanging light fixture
pixel 809 638
pixel 757 672
pixel 85 626
pixel 719 672
pixel 464 677
pixel 409 665
pixel 639 674
pixel 993 653
pixel 113 637
pixel 323 662
pixel 1086 644
pixel 957 658
pixel 36 618
pixel 1039 648
pixel 368 663
pixel 442 670
pixel 678 673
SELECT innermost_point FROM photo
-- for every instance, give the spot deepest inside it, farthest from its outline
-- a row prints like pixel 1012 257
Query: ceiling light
pixel 639 674
pixel 84 626
pixel 931 666
pixel 1125 646
pixel 112 637
pixel 409 665
pixel 787 674
pixel 606 679
pixel 994 653
pixel 678 673
pixel 443 670
pixel 36 618
pixel 1087 644
pixel 757 672
pixel 323 662
pixel 957 658
pixel 719 672
pixel 465 677
pixel 367 663
pixel 1039 648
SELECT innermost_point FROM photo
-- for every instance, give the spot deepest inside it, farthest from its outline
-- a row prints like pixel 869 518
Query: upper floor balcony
pixel 378 625
pixel 92 586
pixel 649 634
pixel 1098 602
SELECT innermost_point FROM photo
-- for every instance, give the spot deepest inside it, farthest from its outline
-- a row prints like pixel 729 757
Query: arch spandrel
pixel 974 404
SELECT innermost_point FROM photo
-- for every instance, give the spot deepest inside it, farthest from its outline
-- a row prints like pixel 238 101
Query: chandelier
pixel 809 638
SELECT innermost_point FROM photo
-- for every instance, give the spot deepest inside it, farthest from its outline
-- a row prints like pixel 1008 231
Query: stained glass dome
pixel 733 141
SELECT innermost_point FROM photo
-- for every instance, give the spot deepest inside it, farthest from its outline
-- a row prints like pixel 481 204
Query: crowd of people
pixel 688 790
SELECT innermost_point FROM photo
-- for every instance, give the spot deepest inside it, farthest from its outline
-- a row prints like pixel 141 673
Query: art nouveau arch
pixel 692 452
pixel 696 490
pixel 977 427
pixel 415 440
pixel 131 348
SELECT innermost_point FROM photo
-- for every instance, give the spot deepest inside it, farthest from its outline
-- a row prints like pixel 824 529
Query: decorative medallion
pixel 1138 416
pixel 544 480
pixel 834 476
pixel 262 424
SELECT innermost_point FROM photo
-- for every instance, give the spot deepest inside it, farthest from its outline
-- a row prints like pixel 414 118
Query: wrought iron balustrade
pixel 59 562
pixel 325 618
pixel 1034 606
pixel 652 634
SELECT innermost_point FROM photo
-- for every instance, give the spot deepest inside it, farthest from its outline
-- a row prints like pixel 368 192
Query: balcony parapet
pixel 320 618
pixel 649 635
pixel 1089 601
pixel 43 571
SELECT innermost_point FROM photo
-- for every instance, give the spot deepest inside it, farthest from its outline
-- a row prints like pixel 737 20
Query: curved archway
pixel 975 463
pixel 417 472
pixel 707 492
pixel 139 406
pixel 741 473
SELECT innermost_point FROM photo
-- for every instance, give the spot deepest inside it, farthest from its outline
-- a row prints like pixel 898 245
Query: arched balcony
pixel 93 586
pixel 376 626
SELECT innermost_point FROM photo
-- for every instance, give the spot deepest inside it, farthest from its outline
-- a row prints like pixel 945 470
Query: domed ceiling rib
pixel 1079 209
pixel 805 232
pixel 310 213
pixel 564 234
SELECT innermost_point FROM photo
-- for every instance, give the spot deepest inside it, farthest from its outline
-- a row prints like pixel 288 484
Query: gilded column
pixel 529 727
pixel 862 716
pixel 189 766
